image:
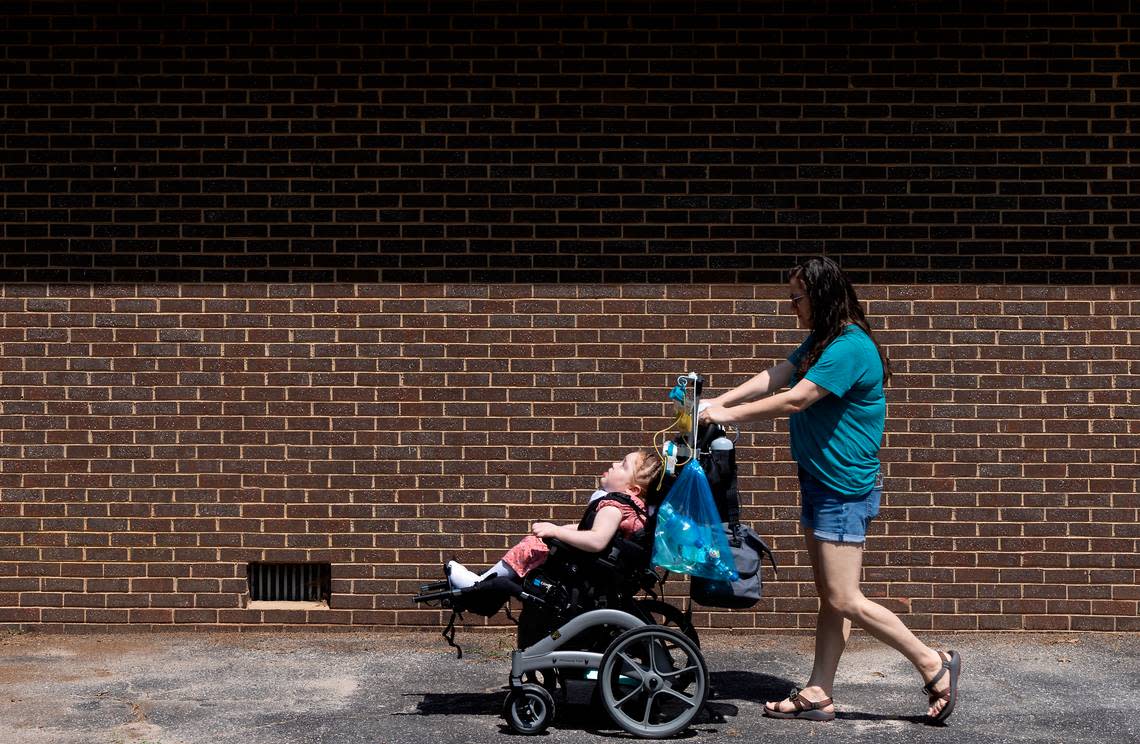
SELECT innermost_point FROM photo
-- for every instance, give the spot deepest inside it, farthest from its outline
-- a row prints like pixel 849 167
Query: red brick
pixel 1029 501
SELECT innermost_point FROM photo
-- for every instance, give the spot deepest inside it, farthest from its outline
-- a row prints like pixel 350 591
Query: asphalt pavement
pixel 317 687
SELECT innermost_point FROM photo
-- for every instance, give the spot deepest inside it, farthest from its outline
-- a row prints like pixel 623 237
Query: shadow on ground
pixel 723 687
pixel 461 703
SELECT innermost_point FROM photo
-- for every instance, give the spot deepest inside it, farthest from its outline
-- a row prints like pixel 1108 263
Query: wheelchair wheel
pixel 663 613
pixel 653 681
pixel 529 709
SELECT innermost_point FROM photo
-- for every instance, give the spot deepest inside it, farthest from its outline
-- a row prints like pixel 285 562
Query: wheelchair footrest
pixel 444 597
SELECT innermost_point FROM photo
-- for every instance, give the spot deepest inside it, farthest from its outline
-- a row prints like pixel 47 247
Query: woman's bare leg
pixel 839 568
pixel 831 630
pixel 831 633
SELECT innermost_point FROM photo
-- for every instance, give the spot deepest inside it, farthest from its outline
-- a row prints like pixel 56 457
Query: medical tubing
pixel 657 448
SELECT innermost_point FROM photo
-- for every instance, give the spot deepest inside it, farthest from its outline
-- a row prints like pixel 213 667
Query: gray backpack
pixel 746 548
pixel 719 464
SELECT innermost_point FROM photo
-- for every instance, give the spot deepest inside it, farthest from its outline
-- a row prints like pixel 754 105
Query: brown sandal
pixel 952 663
pixel 806 709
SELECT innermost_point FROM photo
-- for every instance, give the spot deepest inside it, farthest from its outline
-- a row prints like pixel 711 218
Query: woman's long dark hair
pixel 833 306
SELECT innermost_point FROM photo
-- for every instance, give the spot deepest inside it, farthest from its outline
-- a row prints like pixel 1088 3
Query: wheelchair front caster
pixel 529 709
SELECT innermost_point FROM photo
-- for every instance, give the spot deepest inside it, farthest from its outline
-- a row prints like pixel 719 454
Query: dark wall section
pixel 575 142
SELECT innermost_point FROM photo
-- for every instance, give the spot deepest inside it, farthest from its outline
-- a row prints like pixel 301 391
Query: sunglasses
pixel 796 300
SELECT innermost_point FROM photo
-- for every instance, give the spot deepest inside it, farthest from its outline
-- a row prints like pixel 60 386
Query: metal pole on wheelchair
pixel 693 416
pixel 696 382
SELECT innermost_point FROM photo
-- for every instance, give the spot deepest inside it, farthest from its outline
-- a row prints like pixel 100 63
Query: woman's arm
pixel 759 386
pixel 804 394
pixel 593 540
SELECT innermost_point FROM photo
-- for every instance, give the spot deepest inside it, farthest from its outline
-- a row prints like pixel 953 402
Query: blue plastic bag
pixel 690 538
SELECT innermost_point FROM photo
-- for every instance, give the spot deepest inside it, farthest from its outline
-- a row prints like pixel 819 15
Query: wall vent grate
pixel 289 582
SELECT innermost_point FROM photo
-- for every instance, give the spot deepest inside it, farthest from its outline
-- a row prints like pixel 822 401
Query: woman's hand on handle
pixel 710 402
pixel 713 414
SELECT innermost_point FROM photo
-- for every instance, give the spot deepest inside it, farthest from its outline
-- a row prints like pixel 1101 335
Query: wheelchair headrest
pixel 658 490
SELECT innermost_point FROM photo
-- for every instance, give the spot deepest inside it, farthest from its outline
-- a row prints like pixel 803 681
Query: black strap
pixel 587 520
pixel 449 634
pixel 768 552
pixel 711 432
pixel 726 492
pixel 623 499
pixel 928 688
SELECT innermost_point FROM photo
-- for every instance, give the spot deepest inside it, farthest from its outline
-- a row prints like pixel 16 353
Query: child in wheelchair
pixel 618 507
pixel 584 633
pixel 603 561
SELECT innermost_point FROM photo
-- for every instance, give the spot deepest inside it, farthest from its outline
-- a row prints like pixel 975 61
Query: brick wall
pixel 384 285
pixel 156 439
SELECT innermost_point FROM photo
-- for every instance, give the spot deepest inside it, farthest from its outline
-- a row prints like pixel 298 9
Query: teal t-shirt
pixel 837 438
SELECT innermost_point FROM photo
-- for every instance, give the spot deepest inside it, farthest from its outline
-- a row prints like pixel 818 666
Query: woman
pixel 835 400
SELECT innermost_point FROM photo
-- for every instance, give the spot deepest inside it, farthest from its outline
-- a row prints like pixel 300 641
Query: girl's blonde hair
pixel 648 470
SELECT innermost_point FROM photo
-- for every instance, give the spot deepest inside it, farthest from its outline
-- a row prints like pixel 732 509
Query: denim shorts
pixel 833 517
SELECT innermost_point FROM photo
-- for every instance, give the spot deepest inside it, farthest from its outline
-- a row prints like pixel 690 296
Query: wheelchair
pixel 594 630
pixel 585 636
